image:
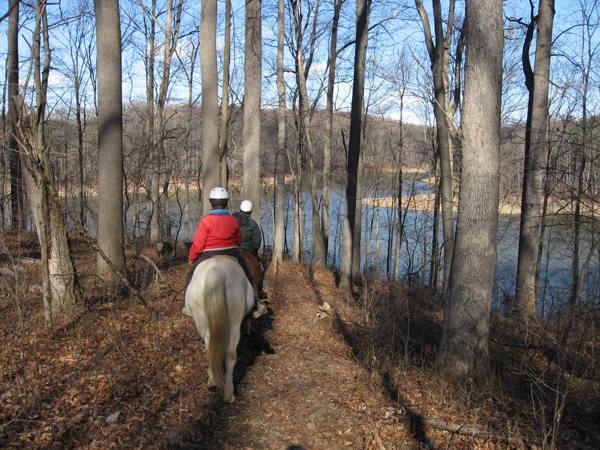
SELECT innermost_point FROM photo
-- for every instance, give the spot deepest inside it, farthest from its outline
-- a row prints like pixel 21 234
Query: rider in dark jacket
pixel 251 235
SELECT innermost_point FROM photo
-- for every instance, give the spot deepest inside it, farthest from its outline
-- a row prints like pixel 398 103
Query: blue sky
pixel 398 35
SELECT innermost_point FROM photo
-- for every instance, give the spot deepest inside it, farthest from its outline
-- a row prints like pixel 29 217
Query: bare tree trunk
pixel 110 140
pixel 189 161
pixel 225 97
pixel 435 251
pixel 318 256
pixel 297 254
pixel 171 37
pixel 60 288
pixel 252 105
pixel 356 240
pixel 464 343
pixel 439 56
pixel 400 226
pixel 17 222
pixel 535 159
pixel 38 198
pixel 355 145
pixel 582 160
pixel 80 149
pixel 154 184
pixel 328 147
pixel 210 106
pixel 574 301
pixel 281 149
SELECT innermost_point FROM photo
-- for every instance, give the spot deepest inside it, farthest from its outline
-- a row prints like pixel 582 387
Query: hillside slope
pixel 129 375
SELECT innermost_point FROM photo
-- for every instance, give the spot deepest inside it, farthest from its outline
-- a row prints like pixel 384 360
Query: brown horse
pixel 255 266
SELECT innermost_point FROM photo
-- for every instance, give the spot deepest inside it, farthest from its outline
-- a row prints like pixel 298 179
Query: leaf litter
pixel 128 376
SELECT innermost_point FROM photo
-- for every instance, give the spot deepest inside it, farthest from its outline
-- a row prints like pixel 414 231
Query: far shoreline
pixel 509 205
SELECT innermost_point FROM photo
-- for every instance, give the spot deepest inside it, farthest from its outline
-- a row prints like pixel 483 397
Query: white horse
pixel 221 300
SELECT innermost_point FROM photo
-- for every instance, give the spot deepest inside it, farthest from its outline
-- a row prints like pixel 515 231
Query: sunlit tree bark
pixel 464 344
pixel 110 141
pixel 252 105
pixel 210 106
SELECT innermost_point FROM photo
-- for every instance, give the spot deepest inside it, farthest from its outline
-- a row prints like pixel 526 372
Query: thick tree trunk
pixel 535 162
pixel 110 140
pixel 464 343
pixel 252 103
pixel 210 103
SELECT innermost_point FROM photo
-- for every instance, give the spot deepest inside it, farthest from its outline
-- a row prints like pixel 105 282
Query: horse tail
pixel 216 315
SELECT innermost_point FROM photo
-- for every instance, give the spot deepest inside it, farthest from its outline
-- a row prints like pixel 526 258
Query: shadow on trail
pixel 217 424
pixel 415 420
pixel 402 329
pixel 251 347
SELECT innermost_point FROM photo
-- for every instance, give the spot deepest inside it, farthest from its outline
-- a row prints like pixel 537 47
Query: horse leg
pixel 230 360
pixel 211 378
pixel 246 325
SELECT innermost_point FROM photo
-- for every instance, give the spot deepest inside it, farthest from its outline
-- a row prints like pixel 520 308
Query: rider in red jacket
pixel 218 230
pixel 218 233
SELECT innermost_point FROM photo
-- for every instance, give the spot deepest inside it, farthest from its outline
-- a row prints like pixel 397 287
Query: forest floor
pixel 127 373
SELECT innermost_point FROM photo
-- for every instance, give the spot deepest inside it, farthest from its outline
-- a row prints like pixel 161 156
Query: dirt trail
pixel 298 388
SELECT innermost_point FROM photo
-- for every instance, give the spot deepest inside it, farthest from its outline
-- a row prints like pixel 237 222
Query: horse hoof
pixel 212 389
pixel 229 398
pixel 261 310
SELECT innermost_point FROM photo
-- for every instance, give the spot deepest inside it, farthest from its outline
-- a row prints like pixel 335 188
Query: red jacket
pixel 218 229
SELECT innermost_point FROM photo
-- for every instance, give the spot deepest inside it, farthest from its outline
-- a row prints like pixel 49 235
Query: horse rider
pixel 251 235
pixel 218 233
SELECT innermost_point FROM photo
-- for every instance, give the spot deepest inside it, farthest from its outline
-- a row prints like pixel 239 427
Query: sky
pixel 390 43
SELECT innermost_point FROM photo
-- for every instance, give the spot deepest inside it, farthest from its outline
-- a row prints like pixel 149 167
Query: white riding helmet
pixel 246 206
pixel 218 196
